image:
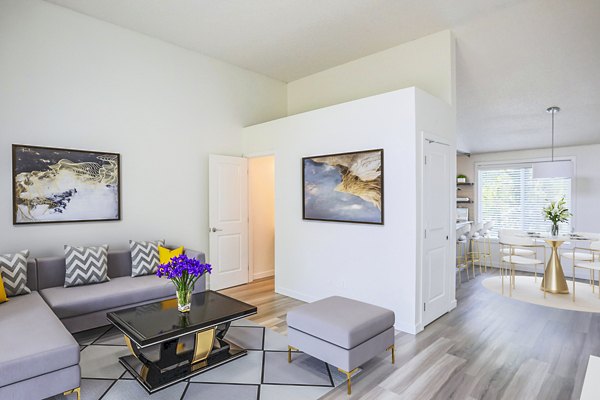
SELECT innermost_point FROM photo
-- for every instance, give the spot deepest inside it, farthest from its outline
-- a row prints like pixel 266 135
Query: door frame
pixel 250 235
pixel 421 138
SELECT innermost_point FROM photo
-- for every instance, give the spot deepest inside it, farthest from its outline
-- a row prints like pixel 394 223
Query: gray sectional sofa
pixel 39 357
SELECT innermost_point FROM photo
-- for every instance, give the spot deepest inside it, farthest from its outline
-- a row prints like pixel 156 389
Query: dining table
pixel 554 278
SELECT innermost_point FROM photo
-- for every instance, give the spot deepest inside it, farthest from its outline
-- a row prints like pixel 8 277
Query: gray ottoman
pixel 342 332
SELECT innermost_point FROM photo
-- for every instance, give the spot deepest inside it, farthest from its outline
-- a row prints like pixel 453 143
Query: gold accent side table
pixel 554 273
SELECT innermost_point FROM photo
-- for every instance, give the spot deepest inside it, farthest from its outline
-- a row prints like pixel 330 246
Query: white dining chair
pixel 511 244
pixel 581 255
pixel 592 264
pixel 584 255
pixel 504 234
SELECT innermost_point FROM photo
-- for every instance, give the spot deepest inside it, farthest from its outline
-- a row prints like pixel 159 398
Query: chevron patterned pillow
pixel 144 257
pixel 13 269
pixel 86 265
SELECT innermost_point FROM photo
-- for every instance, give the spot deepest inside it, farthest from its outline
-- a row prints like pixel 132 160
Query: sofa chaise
pixel 39 357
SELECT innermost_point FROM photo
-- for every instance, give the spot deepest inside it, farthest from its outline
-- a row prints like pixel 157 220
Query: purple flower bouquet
pixel 183 272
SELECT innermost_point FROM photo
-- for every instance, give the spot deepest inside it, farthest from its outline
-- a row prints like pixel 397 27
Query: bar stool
pixel 461 252
pixel 474 254
pixel 485 250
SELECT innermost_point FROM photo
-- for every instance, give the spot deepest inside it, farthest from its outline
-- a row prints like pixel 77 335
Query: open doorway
pixel 261 217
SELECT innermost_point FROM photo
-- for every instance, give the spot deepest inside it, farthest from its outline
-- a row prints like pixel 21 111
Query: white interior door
pixel 437 268
pixel 228 219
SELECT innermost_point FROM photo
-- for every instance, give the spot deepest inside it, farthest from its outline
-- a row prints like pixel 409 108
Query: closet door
pixel 436 219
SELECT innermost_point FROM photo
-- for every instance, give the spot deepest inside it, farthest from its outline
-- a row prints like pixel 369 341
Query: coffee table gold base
pixel 554 279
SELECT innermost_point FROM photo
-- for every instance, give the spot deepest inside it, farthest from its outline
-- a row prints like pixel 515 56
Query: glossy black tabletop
pixel 157 322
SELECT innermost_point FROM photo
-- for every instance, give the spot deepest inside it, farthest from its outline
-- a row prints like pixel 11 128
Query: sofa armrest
pixel 198 255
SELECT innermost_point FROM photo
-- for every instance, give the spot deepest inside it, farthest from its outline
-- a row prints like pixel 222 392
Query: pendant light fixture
pixel 553 169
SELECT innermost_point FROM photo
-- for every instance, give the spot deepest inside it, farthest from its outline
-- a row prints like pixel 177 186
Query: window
pixel 509 196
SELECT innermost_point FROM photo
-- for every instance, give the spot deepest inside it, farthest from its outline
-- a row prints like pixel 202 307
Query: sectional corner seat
pixel 39 357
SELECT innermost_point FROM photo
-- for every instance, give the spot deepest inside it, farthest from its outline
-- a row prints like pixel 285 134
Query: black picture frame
pixel 352 153
pixel 112 160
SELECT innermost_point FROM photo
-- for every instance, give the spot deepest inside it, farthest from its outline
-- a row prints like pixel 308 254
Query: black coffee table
pixel 168 346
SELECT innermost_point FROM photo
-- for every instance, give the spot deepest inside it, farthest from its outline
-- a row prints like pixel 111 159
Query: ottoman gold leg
pixel 290 349
pixel 349 377
pixel 76 390
pixel 393 349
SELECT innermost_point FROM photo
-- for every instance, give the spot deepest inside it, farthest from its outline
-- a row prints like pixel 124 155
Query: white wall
pixel 261 211
pixel 68 80
pixel 427 63
pixel 372 263
pixel 586 184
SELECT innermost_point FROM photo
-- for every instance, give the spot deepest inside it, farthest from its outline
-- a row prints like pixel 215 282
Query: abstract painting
pixel 62 185
pixel 346 187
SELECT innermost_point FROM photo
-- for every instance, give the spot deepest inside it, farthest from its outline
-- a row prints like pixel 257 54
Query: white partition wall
pixel 372 263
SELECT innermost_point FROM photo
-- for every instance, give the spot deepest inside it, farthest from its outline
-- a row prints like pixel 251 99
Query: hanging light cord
pixel 552 110
pixel 553 135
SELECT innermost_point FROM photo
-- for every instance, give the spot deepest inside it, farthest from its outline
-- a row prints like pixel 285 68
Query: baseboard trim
pixel 419 328
pixel 413 329
pixel 264 274
pixel 294 294
pixel 453 305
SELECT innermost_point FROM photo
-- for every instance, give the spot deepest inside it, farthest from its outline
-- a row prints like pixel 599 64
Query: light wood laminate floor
pixel 489 347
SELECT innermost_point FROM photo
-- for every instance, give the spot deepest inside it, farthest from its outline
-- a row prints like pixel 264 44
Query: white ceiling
pixel 514 57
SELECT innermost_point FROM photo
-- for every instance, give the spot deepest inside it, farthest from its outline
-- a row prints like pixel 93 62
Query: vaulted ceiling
pixel 514 57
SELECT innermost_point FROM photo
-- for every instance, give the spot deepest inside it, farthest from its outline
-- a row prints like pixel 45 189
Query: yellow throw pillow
pixel 3 297
pixel 165 254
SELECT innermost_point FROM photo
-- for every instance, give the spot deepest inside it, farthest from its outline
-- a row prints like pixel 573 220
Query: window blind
pixel 510 197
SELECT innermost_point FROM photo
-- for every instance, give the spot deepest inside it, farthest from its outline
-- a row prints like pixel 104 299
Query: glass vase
pixel 184 300
pixel 554 230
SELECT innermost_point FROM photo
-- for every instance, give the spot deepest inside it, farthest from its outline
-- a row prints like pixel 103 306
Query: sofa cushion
pixel 3 297
pixel 144 257
pixel 32 275
pixel 119 263
pixel 86 265
pixel 165 254
pixel 79 300
pixel 13 268
pixel 341 321
pixel 33 340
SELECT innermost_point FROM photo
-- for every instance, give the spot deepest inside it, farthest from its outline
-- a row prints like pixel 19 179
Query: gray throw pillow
pixel 13 269
pixel 144 257
pixel 86 265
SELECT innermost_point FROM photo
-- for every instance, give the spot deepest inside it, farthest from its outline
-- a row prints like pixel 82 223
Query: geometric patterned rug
pixel 263 373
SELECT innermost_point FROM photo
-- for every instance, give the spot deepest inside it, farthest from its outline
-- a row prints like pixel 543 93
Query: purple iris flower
pixel 183 271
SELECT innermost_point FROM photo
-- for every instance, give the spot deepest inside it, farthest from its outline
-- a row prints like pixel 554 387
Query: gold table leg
pixel 393 349
pixel 349 377
pixel 134 351
pixel 203 345
pixel 76 391
pixel 554 273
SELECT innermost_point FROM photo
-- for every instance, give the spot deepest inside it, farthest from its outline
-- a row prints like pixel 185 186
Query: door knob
pixel 213 230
